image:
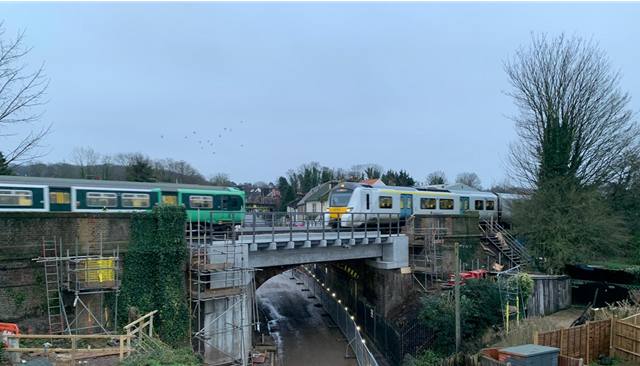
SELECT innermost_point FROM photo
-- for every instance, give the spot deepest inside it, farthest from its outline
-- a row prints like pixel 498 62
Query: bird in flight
pixel 161 136
pixel 225 128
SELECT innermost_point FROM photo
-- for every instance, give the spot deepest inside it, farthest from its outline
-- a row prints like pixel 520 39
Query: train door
pixel 405 206
pixel 464 204
pixel 169 198
pixel 60 199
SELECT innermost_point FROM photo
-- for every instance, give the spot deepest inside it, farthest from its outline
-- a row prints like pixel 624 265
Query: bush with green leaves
pixel 165 357
pixel 479 309
pixel 524 283
pixel 427 357
pixel 153 272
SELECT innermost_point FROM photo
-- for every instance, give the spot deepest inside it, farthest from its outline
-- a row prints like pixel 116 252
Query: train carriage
pixel 217 206
pixel 358 204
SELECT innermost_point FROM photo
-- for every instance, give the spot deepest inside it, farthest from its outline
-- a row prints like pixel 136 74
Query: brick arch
pixel 266 273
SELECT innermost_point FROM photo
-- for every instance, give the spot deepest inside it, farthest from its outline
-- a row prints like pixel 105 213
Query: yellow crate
pixel 98 274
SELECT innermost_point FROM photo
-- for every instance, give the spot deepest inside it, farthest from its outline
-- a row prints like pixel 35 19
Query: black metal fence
pixel 392 342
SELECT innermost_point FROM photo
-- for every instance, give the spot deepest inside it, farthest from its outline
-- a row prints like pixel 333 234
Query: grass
pixel 617 263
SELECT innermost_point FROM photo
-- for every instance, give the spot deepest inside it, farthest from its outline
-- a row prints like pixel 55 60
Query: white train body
pixel 354 204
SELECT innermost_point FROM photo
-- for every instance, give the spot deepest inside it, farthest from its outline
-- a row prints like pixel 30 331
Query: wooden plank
pixel 61 350
pixel 48 336
pixel 588 342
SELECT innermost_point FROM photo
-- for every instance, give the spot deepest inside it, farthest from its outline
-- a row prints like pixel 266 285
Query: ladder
pixel 505 243
pixel 55 306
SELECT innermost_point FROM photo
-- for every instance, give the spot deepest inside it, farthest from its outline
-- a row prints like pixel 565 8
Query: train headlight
pixel 349 209
pixel 326 210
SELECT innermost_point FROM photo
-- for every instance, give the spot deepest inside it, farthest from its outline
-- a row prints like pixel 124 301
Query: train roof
pixel 108 183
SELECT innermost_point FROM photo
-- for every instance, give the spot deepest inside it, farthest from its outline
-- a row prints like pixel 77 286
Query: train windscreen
pixel 340 197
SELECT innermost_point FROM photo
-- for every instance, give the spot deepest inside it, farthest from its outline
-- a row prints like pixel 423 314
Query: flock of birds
pixel 210 143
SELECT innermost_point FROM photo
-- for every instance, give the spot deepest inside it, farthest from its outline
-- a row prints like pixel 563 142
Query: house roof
pixel 371 181
pixel 316 193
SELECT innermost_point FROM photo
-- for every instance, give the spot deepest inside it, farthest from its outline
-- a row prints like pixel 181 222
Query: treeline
pixel 86 163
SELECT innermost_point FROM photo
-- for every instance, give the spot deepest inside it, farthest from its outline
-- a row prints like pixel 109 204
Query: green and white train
pixel 218 206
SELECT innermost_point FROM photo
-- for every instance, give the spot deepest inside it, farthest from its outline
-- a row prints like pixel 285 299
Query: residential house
pixel 316 200
pixel 376 182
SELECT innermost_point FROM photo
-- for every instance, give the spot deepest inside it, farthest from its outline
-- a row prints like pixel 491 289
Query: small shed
pixel 529 355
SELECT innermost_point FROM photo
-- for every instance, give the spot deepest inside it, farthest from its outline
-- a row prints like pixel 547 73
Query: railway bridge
pixel 223 273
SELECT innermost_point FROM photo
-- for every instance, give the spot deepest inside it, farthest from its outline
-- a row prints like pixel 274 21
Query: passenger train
pixel 218 206
pixel 348 203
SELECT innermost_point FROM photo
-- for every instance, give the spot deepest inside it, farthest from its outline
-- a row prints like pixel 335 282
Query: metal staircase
pixel 58 323
pixel 504 243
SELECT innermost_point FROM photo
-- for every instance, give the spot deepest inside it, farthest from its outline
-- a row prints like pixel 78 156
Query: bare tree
pixel 470 179
pixel 437 177
pixel 574 122
pixel 21 91
pixel 221 180
pixel 86 158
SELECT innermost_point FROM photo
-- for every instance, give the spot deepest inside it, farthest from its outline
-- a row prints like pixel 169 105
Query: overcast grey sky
pixel 414 86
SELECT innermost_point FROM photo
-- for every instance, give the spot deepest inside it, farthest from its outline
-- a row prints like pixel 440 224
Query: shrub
pixel 428 357
pixel 479 309
pixel 165 356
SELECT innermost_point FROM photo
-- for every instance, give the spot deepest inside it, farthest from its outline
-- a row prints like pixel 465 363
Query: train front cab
pixel 339 204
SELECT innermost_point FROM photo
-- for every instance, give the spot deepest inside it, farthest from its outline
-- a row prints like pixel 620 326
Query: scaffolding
pixel 426 255
pixel 221 293
pixel 89 276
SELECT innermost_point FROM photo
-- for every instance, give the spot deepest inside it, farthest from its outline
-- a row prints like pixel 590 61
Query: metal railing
pixel 494 228
pixel 301 223
pixel 340 315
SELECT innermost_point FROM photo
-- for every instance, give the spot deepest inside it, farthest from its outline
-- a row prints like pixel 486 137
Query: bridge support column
pixel 291 245
pixel 365 241
pixel 307 244
pixel 377 240
pixel 337 243
pixel 323 243
pixel 352 241
pixel 253 247
pixel 272 246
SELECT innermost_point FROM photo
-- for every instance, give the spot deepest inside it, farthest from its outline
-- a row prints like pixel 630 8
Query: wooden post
pixel 535 337
pixel 588 341
pixel 121 347
pixel 612 345
pixel 561 339
pixel 128 342
pixel 73 350
pixel 151 326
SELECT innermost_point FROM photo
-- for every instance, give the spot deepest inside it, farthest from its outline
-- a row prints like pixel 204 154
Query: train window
pixel 201 202
pixel 401 203
pixel 446 204
pixel 170 200
pixel 59 198
pixel 490 205
pixel 235 203
pixel 428 203
pixel 140 200
pixel 409 202
pixel 479 205
pixel 16 198
pixel 96 199
pixel 386 202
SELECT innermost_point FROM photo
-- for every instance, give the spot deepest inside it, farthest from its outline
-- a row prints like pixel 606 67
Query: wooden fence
pixel 587 341
pixel 93 352
pixel 626 338
pixel 611 337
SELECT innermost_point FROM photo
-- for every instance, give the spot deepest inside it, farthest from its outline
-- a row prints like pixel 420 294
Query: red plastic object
pixel 10 328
